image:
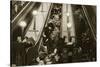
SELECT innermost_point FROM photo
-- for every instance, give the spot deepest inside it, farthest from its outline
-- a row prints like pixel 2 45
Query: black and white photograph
pixel 45 33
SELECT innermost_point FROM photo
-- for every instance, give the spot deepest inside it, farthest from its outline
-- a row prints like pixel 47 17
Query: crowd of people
pixel 19 50
pixel 52 48
pixel 24 52
pixel 51 35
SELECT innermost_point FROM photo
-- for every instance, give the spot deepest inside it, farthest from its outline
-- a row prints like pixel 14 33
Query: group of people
pixel 54 49
pixel 51 34
pixel 19 49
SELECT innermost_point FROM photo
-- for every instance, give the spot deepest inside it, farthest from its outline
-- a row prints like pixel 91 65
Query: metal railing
pixel 88 21
pixel 20 12
pixel 21 15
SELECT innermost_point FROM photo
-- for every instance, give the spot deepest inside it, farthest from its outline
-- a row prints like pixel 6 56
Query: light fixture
pixel 34 12
pixel 67 14
pixel 69 25
pixel 22 24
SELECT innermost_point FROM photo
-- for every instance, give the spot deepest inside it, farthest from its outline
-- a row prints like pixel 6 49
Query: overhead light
pixel 69 25
pixel 34 12
pixel 67 14
pixel 22 24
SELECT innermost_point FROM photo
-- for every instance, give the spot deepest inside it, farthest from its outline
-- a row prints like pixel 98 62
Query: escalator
pixel 33 52
pixel 91 18
pixel 26 16
pixel 85 27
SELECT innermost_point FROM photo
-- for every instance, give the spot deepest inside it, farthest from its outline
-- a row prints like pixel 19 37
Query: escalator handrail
pixel 19 18
pixel 20 12
pixel 88 21
pixel 88 17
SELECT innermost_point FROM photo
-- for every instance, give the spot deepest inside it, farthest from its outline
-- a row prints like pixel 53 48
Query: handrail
pixel 22 15
pixel 88 21
pixel 88 17
pixel 20 12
